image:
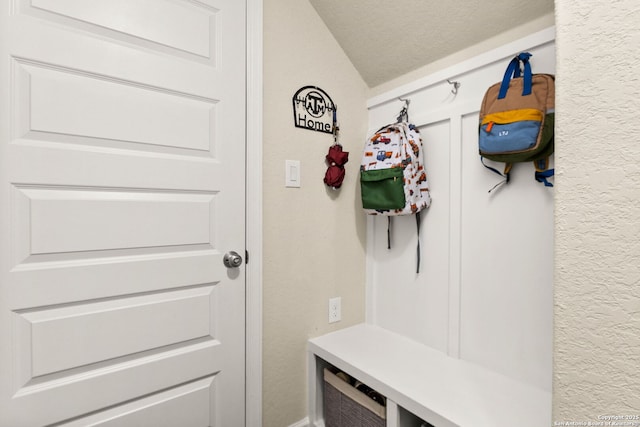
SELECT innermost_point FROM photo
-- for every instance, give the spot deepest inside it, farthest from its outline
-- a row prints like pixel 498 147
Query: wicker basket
pixel 344 406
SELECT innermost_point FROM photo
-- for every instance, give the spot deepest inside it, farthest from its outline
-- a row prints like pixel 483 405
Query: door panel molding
pixel 186 29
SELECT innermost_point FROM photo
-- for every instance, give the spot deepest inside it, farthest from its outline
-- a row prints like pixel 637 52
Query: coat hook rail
pixel 455 85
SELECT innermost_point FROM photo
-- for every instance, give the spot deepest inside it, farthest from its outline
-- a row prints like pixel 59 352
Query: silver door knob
pixel 232 259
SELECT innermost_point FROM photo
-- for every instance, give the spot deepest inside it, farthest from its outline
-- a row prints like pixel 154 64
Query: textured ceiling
pixel 388 38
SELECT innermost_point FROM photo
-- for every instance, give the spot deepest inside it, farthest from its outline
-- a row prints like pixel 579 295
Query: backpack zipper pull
pixel 489 127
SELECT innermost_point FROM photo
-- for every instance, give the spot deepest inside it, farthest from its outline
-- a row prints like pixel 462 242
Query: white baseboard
pixel 301 423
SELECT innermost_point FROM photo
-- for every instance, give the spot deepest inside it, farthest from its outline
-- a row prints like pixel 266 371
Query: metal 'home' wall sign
pixel 314 109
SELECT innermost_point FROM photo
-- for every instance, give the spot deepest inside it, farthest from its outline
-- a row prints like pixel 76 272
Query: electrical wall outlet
pixel 335 310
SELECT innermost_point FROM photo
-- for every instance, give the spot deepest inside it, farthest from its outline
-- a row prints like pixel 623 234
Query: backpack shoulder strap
pixel 417 215
pixel 505 174
pixel 418 246
pixel 543 172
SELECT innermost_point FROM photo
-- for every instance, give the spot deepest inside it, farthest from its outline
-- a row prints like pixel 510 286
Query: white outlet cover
pixel 335 309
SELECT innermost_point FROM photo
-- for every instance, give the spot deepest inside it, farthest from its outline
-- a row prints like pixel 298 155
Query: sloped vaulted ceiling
pixel 385 39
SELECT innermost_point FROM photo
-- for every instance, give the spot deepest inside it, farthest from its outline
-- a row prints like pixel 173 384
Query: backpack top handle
pixel 513 70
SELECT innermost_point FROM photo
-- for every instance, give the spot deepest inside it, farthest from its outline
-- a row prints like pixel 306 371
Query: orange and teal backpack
pixel 517 120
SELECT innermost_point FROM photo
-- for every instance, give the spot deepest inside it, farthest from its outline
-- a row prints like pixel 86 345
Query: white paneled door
pixel 122 186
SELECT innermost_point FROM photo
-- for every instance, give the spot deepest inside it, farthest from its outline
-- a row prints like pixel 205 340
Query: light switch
pixel 292 173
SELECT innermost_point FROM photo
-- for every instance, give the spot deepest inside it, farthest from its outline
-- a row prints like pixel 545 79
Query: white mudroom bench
pixel 421 383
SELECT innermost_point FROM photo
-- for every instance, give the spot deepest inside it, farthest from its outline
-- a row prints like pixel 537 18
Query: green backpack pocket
pixel 382 189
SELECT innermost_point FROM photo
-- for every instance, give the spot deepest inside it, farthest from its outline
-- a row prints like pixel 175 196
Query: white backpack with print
pixel 393 180
pixel 392 175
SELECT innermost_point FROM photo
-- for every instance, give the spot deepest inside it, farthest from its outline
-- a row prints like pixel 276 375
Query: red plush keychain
pixel 336 158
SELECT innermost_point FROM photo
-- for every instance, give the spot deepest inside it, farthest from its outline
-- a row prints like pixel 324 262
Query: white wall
pixel 314 237
pixel 597 286
pixel 484 293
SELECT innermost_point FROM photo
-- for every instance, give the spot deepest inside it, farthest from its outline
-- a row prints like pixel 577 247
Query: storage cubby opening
pixel 408 419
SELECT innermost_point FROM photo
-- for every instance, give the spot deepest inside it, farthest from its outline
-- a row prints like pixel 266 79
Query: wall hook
pixel 455 85
pixel 404 113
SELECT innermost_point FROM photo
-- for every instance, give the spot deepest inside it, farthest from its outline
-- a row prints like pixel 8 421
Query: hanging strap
pixel 513 70
pixel 505 175
pixel 528 75
pixel 542 177
pixel 418 247
pixel 543 172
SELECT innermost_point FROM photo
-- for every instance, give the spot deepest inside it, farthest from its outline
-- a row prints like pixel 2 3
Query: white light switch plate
pixel 292 173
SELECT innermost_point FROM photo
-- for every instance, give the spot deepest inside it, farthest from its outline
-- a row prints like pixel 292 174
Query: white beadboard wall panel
pixel 484 293
pixel 506 287
pixel 424 307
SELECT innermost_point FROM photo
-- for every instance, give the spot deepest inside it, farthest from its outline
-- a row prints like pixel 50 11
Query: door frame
pixel 253 194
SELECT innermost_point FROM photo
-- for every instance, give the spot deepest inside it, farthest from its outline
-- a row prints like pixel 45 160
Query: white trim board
pixel 253 304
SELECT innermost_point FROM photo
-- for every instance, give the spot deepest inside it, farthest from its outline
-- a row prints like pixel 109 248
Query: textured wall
pixel 314 238
pixel 597 283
